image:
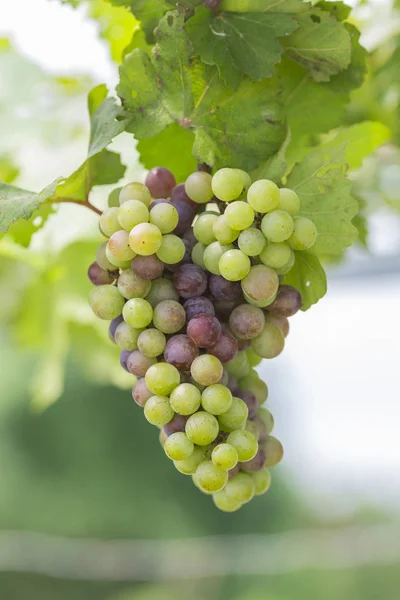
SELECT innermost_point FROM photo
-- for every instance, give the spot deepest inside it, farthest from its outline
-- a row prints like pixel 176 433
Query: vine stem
pixel 78 202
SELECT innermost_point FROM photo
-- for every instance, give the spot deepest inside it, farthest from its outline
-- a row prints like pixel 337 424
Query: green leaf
pixel 240 43
pixel 352 77
pixel 307 276
pixel 22 231
pixel 16 203
pixel 171 148
pixel 8 170
pixel 321 45
pixel 282 6
pixel 338 9
pixel 148 12
pixel 360 222
pixel 238 129
pixel 275 167
pixel 325 195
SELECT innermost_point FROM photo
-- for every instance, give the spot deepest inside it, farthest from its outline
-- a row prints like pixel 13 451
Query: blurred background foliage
pixel 87 466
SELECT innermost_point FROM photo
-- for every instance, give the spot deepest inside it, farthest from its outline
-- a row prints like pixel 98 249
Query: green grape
pixel 251 241
pixel 246 179
pixel 158 411
pixel 274 451
pixel 245 443
pixel 234 265
pixel 239 215
pixel 113 198
pixel 236 417
pixel 161 289
pixel 132 213
pixel 304 234
pixel 203 228
pixel 256 386
pixel 277 226
pixel 132 286
pixel 198 255
pixel 262 481
pixel 225 456
pixel 178 446
pixel 118 246
pixel 169 316
pixel 189 465
pixel 117 263
pixel 222 231
pixel 253 358
pixel 289 201
pixel 260 285
pixel 108 221
pixel 270 342
pixel 164 216
pixel 106 302
pixel 172 249
pixel 267 418
pixel 202 428
pixel 288 266
pixel 185 399
pixel 198 187
pixel 210 478
pixel 263 196
pixel 151 342
pixel 135 191
pixel 145 239
pixel 241 488
pixel 138 313
pixel 206 369
pixel 101 258
pixel 276 255
pixel 212 255
pixel 252 428
pixel 126 337
pixel 224 503
pixel 216 399
pixel 227 184
pixel 238 366
pixel 162 378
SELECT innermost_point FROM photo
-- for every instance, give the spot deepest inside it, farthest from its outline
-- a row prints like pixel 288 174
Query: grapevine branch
pixel 79 202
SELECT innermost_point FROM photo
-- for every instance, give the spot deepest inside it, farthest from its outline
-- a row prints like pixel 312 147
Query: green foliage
pixel 20 204
pixel 308 276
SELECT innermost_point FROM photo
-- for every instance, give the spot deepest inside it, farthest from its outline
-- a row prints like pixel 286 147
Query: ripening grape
pixel 135 191
pixel 126 337
pixel 203 228
pixel 277 226
pixel 165 217
pixel 106 302
pixel 224 503
pixel 158 411
pixel 185 399
pixel 245 444
pixel 181 351
pixel 178 446
pixel 113 198
pixel 131 213
pixel 171 250
pixel 160 182
pixel 161 289
pixel 99 276
pixel 138 364
pixel 227 184
pixel 206 369
pixel 132 286
pixel 304 234
pixel 123 357
pixel 138 313
pixel 162 378
pixel 289 201
pixel 169 316
pixel 263 196
pixel 108 222
pixel 287 302
pixel 216 399
pixel 179 194
pixel 222 232
pixel 117 262
pixel 145 239
pixel 246 321
pixel 198 187
pixel 204 330
pixel 189 465
pixel 141 392
pixel 236 417
pixel 234 265
pixel 239 366
pixel 260 285
pixel 210 478
pixel 186 214
pixel 198 306
pixel 251 241
pixel 246 179
pixel 262 481
pixel 241 488
pixel 250 400
pixel 202 428
pixel 256 386
pixel 118 246
pixel 151 342
pixel 225 348
pixel 239 215
pixel 177 423
pixel 270 342
pixel 255 464
pixel 225 456
pixel 281 322
pixel 253 357
pixel 147 267
pixel 101 258
pixel 222 289
pixel 266 419
pixel 273 450
pixel 212 255
pixel 276 255
pixel 113 327
pixel 190 281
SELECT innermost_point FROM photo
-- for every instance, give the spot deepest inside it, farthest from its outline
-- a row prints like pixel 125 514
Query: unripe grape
pixel 270 342
pixel 239 215
pixel 225 456
pixel 216 399
pixel 224 503
pixel 189 465
pixel 251 241
pixel 241 488
pixel 108 221
pixel 245 444
pixel 206 369
pixel 138 313
pixel 227 184
pixel 162 378
pixel 118 246
pixel 131 213
pixel 273 450
pixel 289 201
pixel 234 265
pixel 236 417
pixel 222 231
pixel 262 481
pixel 158 411
pixel 106 302
pixel 203 228
pixel 304 234
pixel 185 399
pixel 178 446
pixel 135 191
pixel 263 196
pixel 198 187
pixel 145 239
pixel 277 226
pixel 210 478
pixel 202 428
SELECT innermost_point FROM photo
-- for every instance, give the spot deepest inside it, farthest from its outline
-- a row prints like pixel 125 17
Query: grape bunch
pixel 190 278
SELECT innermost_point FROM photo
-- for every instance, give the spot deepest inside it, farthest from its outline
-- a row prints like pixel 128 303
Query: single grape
pixel 186 259
pixel 165 217
pixel 131 285
pixel 202 428
pixel 113 327
pixel 106 302
pixel 225 348
pixel 239 366
pixel 206 369
pixel 160 182
pixel 262 482
pixel 270 342
pixel 256 386
pixel 257 463
pixel 147 267
pixel 263 196
pixel 261 284
pixel 246 179
pixel 198 306
pixel 225 456
pixel 108 222
pixel 251 241
pixel 222 232
pixel 224 503
pixel 204 330
pixel 99 276
pixel 181 351
pixel 212 255
pixel 250 400
pixel 281 322
pixel 162 378
pixel 117 262
pixel 203 228
pixel 276 255
pixel 169 316
pixel 132 213
pixel 234 265
pixel 172 249
pixel 138 313
pixel 145 239
pixel 198 255
pixel 273 450
pixel 239 215
pixel 186 214
pixel 190 281
pixel 158 411
pixel 177 423
pixel 236 417
pixel 245 443
pixel 138 364
pixel 227 184
pixel 126 337
pixel 118 246
pixel 289 201
pixel 161 289
pixel 222 289
pixel 141 392
pixel 151 342
pixel 123 358
pixel 178 446
pixel 216 399
pixel 241 488
pixel 113 198
pixel 211 478
pixel 304 234
pixel 179 194
pixel 101 258
pixel 189 466
pixel 135 191
pixel 253 358
pixel 198 187
pixel 246 321
pixel 185 399
pixel 277 226
pixel 287 303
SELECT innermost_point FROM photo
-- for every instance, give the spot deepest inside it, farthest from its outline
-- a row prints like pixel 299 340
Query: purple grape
pixel 99 276
pixel 222 289
pixel 246 321
pixel 176 424
pixel 226 347
pixel 261 428
pixel 180 351
pixel 123 358
pixel 179 194
pixel 287 302
pixel 233 472
pixel 138 364
pixel 113 326
pixel 141 392
pixel 190 281
pixel 198 306
pixel 255 464
pixel 190 237
pixel 223 308
pixel 281 322
pixel 160 182
pixel 233 385
pixel 186 215
pixel 250 401
pixel 205 330
pixel 154 203
pixel 147 267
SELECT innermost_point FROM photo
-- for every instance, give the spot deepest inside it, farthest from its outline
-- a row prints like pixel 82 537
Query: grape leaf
pixel 148 12
pixel 275 167
pixel 325 195
pixel 321 44
pixel 282 6
pixel 240 43
pixel 352 77
pixel 16 203
pixel 237 129
pixel 340 10
pixel 307 276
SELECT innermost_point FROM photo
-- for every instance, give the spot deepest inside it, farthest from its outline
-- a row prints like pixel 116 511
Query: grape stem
pixel 79 202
